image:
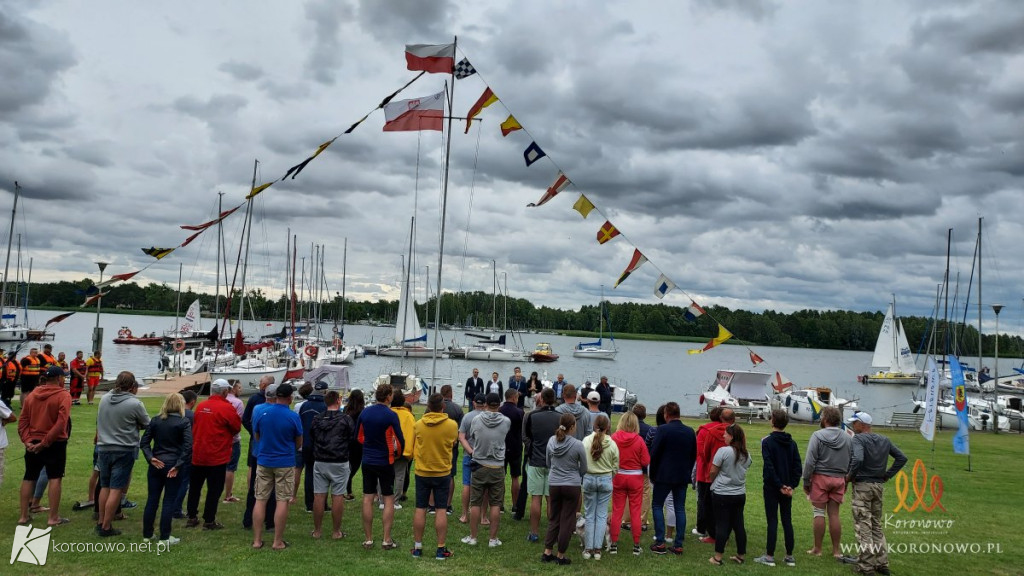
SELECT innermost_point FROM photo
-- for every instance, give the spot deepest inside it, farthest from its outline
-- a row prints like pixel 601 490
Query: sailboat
pixel 10 329
pixel 496 349
pixel 892 358
pixel 410 337
pixel 596 349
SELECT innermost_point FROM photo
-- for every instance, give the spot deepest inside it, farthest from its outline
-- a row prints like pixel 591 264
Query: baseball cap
pixel 220 385
pixel 54 371
pixel 271 390
pixel 493 399
pixel 480 398
pixel 284 391
pixel 863 417
pixel 320 385
pixel 594 396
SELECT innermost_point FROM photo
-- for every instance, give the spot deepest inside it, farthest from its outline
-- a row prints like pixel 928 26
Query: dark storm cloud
pixel 754 9
pixel 326 54
pixel 241 70
pixel 32 56
pixel 400 22
pixel 991 27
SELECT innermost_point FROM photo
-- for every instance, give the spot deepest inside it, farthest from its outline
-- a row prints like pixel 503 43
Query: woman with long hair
pixel 628 483
pixel 354 407
pixel 602 463
pixel 167 445
pixel 729 493
pixel 567 463
pixel 533 387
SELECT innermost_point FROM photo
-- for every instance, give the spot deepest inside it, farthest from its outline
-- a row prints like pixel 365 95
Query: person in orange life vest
pixel 93 373
pixel 46 357
pixel 77 378
pixel 10 370
pixel 31 366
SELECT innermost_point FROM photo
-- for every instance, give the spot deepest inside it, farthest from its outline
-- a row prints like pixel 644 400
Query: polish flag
pixel 417 114
pixel 433 58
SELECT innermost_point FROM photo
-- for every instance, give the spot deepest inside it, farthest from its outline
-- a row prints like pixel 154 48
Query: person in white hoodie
pixel 824 477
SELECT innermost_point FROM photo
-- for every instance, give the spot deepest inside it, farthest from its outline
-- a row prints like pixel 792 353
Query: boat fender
pixel 311 351
pixel 179 345
pixel 796 408
pixel 917 408
pixel 701 399
pixel 789 400
pixel 337 343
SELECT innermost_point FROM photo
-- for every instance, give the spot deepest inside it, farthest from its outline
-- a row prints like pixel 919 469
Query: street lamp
pixel 996 308
pixel 97 333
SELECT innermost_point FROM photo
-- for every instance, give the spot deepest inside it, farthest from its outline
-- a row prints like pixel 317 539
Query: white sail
pixel 885 348
pixel 906 358
pixel 192 318
pixel 407 326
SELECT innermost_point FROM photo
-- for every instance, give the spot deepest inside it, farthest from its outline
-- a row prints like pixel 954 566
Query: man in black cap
pixel 467 420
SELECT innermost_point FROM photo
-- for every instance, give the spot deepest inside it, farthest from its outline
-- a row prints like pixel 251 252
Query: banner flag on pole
pixel 961 441
pixel 931 403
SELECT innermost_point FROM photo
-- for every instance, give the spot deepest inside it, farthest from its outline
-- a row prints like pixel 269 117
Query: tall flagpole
pixel 444 211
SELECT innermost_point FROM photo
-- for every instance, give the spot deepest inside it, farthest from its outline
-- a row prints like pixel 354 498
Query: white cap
pixel 271 391
pixel 220 385
pixel 862 417
pixel 594 396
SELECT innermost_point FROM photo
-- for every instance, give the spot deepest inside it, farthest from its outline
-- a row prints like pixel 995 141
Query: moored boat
pixel 740 390
pixel 125 336
pixel 543 353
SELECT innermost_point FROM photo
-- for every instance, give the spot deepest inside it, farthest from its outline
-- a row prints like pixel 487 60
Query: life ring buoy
pixel 127 332
pixel 121 332
pixel 179 345
pixel 337 343
pixel 311 351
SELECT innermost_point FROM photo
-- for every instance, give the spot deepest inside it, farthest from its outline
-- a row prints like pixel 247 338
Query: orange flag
pixel 607 232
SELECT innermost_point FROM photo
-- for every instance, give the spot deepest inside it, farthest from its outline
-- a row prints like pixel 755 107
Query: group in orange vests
pixel 24 374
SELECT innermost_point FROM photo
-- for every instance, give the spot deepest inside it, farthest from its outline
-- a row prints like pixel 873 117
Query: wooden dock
pixel 166 384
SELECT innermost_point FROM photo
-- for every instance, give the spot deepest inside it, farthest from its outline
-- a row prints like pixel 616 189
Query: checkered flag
pixel 464 69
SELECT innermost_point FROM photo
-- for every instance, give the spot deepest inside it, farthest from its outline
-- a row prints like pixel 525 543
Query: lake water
pixel 657 372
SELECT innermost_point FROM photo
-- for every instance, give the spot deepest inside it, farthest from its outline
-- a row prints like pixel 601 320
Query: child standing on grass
pixel 781 470
pixel 729 493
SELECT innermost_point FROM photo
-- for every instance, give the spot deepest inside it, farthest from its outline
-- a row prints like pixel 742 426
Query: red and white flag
pixel 424 113
pixel 561 183
pixel 434 58
pixel 781 383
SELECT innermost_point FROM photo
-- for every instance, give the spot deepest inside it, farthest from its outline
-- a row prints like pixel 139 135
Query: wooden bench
pixel 906 419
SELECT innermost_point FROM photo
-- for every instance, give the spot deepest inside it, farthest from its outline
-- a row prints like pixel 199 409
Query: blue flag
pixel 533 153
pixel 961 441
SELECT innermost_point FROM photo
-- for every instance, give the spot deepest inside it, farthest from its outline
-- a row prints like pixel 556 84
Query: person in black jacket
pixel 474 386
pixel 331 433
pixel 538 427
pixel 313 405
pixel 782 470
pixel 605 390
pixel 167 445
pixel 673 456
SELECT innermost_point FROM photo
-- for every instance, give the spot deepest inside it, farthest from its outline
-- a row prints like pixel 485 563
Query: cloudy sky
pixel 763 155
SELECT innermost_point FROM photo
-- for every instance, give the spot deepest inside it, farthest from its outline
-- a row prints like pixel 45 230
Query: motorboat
pixel 805 404
pixel 740 390
pixel 543 353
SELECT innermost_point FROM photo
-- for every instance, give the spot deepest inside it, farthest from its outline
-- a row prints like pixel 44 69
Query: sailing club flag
pixel 56 319
pixel 692 312
pixel 561 183
pixel 485 100
pixel 723 335
pixel 157 253
pixel 433 58
pixel 464 69
pixel 583 205
pixel 755 360
pixel 961 440
pixel 931 403
pixel 416 114
pixel 206 225
pixel 510 125
pixel 663 286
pixel 607 232
pixel 532 154
pixel 780 383
pixel 636 262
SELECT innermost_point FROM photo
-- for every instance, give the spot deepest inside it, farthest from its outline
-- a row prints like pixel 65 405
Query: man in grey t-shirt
pixel 467 421
pixel 487 448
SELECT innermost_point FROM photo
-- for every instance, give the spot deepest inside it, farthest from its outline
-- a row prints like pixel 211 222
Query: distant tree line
pixel 828 329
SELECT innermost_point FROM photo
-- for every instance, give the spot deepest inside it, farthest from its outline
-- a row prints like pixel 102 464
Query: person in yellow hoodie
pixel 435 437
pixel 403 461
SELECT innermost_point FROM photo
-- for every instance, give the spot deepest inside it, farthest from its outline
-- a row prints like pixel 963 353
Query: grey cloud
pixel 325 56
pixel 241 70
pixel 993 27
pixel 32 56
pixel 754 9
pixel 408 21
pixel 214 108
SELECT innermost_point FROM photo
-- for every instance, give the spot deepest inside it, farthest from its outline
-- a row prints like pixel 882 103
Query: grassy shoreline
pixel 975 503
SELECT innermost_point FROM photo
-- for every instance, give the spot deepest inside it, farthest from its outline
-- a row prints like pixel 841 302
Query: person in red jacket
pixel 629 481
pixel 43 427
pixel 709 440
pixel 216 423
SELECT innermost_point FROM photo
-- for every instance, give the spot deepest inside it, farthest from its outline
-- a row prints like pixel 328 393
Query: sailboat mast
pixel 494 295
pixel 294 244
pixel 979 302
pixel 10 239
pixel 248 239
pixel 220 240
pixel 895 366
pixel 407 301
pixel 945 313
pixel 177 305
pixel 344 267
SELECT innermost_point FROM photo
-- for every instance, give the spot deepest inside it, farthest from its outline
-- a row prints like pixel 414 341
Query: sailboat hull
pixel 892 378
pixel 595 353
pixel 409 352
pixel 497 354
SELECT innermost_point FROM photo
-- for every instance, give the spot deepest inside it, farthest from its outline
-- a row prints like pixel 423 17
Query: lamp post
pixel 97 333
pixel 996 308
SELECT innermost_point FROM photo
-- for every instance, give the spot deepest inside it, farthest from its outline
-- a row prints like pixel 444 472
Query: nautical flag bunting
pixel 583 205
pixel 663 286
pixel 755 359
pixel 295 170
pixel 723 335
pixel 636 262
pixel 56 319
pixel 157 253
pixel 206 225
pixel 433 58
pixel 533 153
pixel 607 232
pixel 693 312
pixel 464 69
pixel 485 100
pixel 561 183
pixel 780 383
pixel 510 125
pixel 117 278
pixel 258 189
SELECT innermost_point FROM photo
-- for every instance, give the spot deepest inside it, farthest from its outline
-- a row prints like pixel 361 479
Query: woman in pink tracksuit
pixel 629 481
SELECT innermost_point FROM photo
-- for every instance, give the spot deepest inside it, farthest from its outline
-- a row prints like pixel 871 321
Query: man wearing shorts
pixel 487 448
pixel 454 412
pixel 435 437
pixel 279 434
pixel 119 419
pixel 216 423
pixel 330 432
pixel 93 374
pixel 513 441
pixel 538 428
pixel 43 428
pixel 824 476
pixel 380 433
pixel 467 421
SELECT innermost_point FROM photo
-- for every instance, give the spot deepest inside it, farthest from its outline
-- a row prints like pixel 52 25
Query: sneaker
pixel 388 545
pixel 637 549
pixel 192 523
pixel 707 540
pixel 493 543
pixel 469 541
pixel 431 510
pixel 147 539
pixel 659 548
pixel 677 550
pixel 448 510
pixel 586 554
pixel 597 554
pixel 397 506
pixel 107 533
pixel 562 561
pixel 626 527
pixel 417 552
pixel 846 559
pixel 789 561
pixel 532 538
pixel 547 558
pixel 697 533
pixel 171 541
pixel 613 548
pixel 129 504
pixel 213 526
pixel 381 506
pixel 766 560
pixel 443 553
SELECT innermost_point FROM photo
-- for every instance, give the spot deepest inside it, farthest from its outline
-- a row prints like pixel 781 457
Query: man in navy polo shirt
pixel 278 432
pixel 380 433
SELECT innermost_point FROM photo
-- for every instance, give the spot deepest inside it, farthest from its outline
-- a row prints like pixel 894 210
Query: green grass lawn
pixel 983 506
